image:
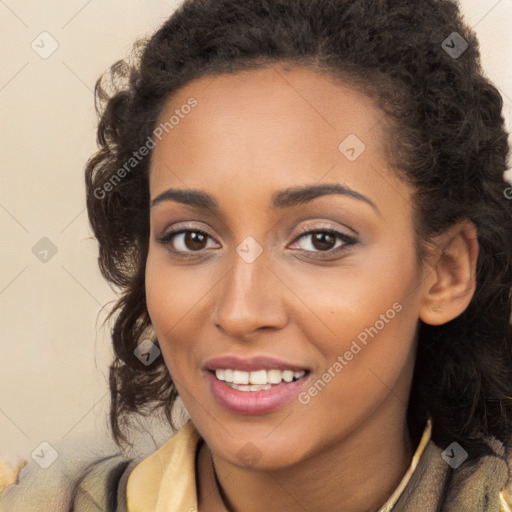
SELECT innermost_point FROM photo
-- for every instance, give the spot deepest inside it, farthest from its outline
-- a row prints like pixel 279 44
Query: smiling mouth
pixel 258 380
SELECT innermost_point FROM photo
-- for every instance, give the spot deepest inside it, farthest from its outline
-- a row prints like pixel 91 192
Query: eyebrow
pixel 287 198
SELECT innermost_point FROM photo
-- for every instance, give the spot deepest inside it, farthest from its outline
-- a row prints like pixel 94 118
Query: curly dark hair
pixel 448 141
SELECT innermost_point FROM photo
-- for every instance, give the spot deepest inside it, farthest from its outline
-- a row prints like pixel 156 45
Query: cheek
pixel 171 297
pixel 179 302
pixel 173 292
pixel 370 292
pixel 364 325
pixel 369 351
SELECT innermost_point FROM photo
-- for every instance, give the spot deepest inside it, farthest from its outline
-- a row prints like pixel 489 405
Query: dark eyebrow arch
pixel 287 198
pixel 294 196
pixel 189 197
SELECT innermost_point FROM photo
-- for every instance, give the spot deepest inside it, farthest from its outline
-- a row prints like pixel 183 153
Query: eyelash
pixel 347 240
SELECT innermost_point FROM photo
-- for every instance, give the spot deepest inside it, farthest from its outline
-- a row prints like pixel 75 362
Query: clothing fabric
pixel 99 486
pixel 166 481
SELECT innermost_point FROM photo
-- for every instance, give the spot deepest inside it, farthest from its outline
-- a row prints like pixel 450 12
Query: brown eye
pixel 318 241
pixel 187 241
pixel 194 241
pixel 323 241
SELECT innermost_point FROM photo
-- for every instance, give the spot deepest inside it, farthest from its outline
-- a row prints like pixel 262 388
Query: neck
pixel 357 474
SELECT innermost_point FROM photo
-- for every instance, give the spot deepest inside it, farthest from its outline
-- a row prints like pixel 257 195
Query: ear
pixel 450 280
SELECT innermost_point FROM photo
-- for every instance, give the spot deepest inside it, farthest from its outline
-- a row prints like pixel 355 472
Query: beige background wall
pixel 53 352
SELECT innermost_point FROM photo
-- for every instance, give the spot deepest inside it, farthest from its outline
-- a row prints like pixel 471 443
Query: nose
pixel 250 299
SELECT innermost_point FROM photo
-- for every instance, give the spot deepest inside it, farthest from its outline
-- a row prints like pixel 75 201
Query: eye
pixel 323 241
pixel 187 240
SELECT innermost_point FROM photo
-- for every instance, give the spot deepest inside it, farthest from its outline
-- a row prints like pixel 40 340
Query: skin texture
pixel 252 134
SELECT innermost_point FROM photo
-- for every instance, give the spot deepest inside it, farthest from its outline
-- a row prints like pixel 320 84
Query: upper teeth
pixel 258 376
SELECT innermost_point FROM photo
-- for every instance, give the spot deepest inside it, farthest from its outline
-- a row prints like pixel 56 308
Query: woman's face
pixel 293 257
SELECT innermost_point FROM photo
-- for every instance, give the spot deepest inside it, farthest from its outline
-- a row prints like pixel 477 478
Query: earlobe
pixel 450 280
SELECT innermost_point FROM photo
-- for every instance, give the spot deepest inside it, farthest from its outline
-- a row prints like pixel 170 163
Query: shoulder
pixel 484 478
pixel 506 494
pixel 103 485
pixel 74 482
pixel 448 477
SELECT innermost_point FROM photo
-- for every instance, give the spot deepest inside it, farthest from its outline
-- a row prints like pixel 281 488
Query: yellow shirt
pixel 166 480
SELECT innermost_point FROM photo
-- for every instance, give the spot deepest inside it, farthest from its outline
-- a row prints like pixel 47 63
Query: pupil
pixel 323 241
pixel 195 240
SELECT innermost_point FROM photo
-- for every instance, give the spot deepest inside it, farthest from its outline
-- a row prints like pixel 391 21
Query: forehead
pixel 270 127
pixel 292 102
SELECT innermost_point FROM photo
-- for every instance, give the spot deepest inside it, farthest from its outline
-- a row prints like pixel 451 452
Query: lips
pixel 257 385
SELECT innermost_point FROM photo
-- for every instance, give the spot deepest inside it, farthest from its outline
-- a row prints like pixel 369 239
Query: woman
pixel 303 206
